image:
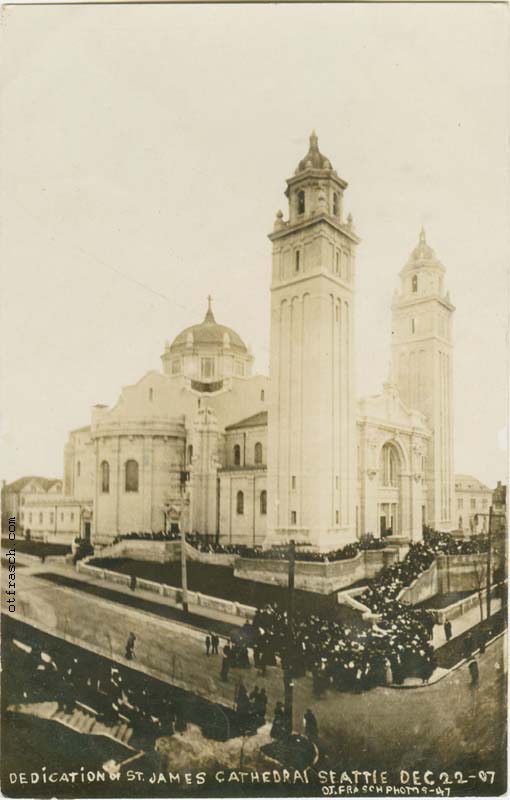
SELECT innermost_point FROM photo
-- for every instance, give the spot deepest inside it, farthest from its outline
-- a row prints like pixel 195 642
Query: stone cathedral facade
pixel 216 448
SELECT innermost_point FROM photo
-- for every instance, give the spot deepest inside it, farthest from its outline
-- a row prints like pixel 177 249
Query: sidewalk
pixel 198 613
pixel 463 623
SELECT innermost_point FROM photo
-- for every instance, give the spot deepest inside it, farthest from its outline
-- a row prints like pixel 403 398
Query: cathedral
pixel 209 445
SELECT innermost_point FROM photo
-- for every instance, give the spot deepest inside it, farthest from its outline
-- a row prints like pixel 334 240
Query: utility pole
pixel 184 565
pixel 288 683
pixel 489 556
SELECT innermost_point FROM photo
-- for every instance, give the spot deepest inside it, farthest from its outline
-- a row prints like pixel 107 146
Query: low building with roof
pixel 18 493
pixel 472 502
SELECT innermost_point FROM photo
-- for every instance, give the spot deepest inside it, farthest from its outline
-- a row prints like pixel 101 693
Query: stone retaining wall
pixel 461 573
pixel 315 576
pixel 141 550
pixel 424 587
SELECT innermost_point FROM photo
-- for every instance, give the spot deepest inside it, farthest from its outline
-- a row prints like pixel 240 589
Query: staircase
pixel 84 720
pixel 81 719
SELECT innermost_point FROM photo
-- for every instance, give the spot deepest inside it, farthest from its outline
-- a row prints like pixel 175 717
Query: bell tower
pixel 422 368
pixel 312 427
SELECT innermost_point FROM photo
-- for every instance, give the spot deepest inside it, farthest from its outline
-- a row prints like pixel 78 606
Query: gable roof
pixel 254 421
pixel 19 484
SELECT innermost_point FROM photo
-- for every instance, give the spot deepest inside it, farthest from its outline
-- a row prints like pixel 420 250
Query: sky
pixel 144 156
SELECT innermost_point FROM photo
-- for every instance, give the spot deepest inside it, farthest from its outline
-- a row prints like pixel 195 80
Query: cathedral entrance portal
pixel 389 504
pixel 388 519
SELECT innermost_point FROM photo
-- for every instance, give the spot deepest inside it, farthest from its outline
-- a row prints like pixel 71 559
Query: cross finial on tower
pixel 209 317
pixel 314 141
pixel 422 235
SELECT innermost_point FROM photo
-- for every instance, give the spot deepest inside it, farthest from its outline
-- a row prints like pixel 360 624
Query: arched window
pixel 263 502
pixel 389 465
pixel 131 476
pixel 105 477
pixel 415 283
pixel 258 453
pixel 262 394
pixel 78 469
pixel 190 453
pixel 237 455
pixel 335 204
pixel 301 202
pixel 240 503
pixel 298 261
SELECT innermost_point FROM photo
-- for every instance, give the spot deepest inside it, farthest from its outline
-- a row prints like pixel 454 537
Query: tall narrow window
pixel 240 503
pixel 297 265
pixel 337 517
pixel 258 453
pixel 335 204
pixel 301 202
pixel 131 476
pixel 262 394
pixel 105 477
pixel 78 469
pixel 293 482
pixel 263 502
pixel 413 325
pixel 389 466
pixel 293 518
pixel 415 283
pixel 237 455
pixel 151 394
pixel 40 517
pixel 62 517
pixel 207 367
pixel 190 453
pixel 337 262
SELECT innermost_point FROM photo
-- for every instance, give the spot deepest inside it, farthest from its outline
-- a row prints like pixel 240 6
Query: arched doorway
pixel 389 494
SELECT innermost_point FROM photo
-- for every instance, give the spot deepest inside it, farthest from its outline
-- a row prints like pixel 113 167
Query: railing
pixel 174 593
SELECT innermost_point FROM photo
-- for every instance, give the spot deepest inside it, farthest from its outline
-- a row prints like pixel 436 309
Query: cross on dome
pixel 209 316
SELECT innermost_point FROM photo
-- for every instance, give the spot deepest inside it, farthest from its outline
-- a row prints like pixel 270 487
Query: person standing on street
pixel 448 630
pixel 130 646
pixel 311 727
pixel 207 644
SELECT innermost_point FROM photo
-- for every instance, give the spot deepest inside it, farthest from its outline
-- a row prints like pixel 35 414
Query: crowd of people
pixel 210 544
pixel 150 536
pixel 206 544
pixel 356 657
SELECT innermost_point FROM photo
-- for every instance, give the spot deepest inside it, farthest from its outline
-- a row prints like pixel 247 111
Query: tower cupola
pixel 315 188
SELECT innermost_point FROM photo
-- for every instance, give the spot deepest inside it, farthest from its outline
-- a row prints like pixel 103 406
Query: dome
pixel 423 254
pixel 314 158
pixel 209 332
